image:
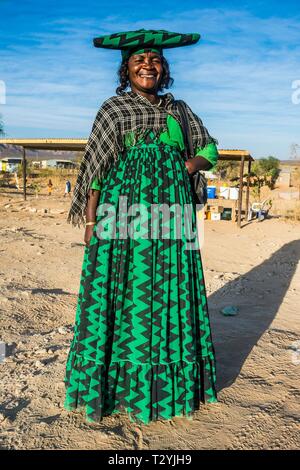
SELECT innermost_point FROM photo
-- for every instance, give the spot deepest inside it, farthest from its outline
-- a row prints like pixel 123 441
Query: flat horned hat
pixel 142 40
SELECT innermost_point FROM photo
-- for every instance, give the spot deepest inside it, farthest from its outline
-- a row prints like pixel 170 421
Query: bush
pixel 266 170
pixel 227 170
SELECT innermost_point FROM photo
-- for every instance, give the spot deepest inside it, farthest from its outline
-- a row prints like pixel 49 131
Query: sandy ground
pixel 256 269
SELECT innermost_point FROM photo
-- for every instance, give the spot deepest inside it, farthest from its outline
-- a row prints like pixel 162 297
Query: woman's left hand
pixel 196 164
pixel 191 166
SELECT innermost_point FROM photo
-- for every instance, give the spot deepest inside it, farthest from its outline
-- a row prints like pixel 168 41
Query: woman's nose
pixel 148 63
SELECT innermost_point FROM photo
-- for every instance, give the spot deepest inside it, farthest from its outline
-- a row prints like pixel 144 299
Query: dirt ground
pixel 256 269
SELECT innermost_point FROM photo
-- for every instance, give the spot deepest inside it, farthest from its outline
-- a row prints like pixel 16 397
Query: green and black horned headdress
pixel 142 40
pixel 130 112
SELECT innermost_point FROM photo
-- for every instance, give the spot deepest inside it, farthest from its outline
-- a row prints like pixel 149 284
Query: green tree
pixel 266 170
pixel 227 170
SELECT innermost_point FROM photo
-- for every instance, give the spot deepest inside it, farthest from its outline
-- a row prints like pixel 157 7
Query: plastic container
pixel 233 193
pixel 261 215
pixel 211 192
pixel 224 192
pixel 215 216
pixel 226 214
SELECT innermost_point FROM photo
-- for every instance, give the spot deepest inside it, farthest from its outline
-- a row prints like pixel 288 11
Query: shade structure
pixel 78 145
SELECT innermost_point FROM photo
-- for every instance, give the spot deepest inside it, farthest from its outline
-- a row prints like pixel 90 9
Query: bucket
pixel 224 192
pixel 211 192
pixel 233 193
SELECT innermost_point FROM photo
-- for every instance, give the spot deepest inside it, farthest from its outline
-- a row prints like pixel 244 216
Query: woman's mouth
pixel 147 75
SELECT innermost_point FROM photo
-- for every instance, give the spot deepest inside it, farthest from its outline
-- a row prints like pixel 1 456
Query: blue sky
pixel 238 78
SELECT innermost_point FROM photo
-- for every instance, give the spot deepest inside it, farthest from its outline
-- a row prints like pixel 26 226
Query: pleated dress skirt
pixel 142 340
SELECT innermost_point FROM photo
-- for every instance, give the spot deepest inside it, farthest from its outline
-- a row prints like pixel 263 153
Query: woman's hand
pixel 88 234
pixel 190 166
pixel 196 164
pixel 91 210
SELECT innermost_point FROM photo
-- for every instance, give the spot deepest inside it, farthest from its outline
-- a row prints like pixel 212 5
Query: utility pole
pixel 24 173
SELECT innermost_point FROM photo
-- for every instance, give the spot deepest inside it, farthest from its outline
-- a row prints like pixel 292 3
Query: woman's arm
pixel 206 152
pixel 91 210
pixel 205 158
pixel 197 163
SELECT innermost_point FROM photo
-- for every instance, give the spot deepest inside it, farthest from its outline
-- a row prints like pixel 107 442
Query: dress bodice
pixel 171 136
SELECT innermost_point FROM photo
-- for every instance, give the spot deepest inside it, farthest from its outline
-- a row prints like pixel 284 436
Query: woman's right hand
pixel 88 234
pixel 91 214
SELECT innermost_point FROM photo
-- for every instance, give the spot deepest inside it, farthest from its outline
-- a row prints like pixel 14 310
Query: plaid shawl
pixel 117 116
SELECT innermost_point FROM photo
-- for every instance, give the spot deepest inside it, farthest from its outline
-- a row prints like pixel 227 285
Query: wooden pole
pixel 248 187
pixel 241 192
pixel 24 173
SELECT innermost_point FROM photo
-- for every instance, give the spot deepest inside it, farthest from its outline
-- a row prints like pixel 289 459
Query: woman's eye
pixel 156 60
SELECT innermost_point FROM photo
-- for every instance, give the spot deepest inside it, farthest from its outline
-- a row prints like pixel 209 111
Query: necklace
pixel 133 93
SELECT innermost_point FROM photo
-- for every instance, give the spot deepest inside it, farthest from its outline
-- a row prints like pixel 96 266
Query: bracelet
pixel 90 223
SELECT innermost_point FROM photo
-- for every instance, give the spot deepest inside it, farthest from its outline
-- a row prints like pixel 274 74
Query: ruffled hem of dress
pixel 145 392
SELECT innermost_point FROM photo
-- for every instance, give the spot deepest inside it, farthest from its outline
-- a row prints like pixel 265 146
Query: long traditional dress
pixel 142 340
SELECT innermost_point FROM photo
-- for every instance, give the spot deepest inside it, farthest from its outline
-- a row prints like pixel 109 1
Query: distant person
pixel 17 181
pixel 50 187
pixel 68 189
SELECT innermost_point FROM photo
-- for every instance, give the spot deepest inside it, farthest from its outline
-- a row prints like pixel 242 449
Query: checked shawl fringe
pixel 101 148
pixel 116 117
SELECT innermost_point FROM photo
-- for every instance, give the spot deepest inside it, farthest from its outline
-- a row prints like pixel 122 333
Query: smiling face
pixel 145 72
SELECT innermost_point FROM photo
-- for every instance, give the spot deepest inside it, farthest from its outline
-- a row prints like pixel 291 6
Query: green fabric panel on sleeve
pixel 209 152
pixel 96 184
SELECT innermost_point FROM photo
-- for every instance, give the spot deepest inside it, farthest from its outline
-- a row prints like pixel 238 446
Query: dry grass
pixel 293 213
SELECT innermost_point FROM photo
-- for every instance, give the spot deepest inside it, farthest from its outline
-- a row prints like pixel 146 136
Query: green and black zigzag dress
pixel 142 341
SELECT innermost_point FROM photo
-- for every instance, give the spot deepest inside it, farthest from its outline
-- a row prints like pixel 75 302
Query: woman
pixel 142 341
